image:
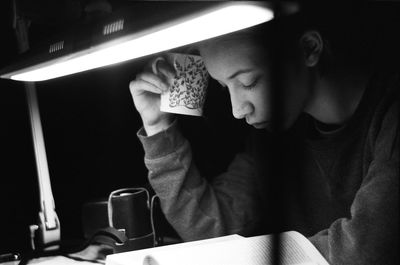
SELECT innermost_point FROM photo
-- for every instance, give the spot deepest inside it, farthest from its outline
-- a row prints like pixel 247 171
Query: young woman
pixel 339 125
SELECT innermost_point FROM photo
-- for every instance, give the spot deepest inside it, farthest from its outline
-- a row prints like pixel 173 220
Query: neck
pixel 334 99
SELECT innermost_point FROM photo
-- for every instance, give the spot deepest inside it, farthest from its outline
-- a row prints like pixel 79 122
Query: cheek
pixel 261 101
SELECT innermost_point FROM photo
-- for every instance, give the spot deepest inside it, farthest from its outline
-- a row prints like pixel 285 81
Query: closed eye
pixel 252 85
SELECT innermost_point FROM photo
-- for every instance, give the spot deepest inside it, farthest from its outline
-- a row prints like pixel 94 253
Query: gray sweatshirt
pixel 341 187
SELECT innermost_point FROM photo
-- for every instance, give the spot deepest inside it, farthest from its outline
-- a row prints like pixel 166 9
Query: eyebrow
pixel 239 73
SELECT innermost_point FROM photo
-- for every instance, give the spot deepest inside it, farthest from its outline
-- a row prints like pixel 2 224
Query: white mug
pixel 187 91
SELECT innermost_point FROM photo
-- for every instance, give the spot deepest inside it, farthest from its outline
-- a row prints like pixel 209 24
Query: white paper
pixel 295 249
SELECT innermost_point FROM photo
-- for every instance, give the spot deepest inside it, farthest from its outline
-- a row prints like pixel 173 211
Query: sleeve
pixel 196 208
pixel 371 234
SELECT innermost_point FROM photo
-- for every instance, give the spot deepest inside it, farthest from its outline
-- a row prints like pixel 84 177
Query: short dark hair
pixel 360 34
pixel 363 34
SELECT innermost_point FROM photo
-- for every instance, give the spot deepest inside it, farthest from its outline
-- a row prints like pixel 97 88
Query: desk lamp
pixel 135 32
pixel 143 29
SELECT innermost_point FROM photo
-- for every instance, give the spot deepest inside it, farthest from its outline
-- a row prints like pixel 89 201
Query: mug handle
pixel 154 64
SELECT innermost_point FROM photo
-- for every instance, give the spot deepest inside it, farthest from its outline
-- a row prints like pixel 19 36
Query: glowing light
pixel 224 20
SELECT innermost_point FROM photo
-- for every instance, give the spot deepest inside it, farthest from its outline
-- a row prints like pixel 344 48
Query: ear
pixel 312 45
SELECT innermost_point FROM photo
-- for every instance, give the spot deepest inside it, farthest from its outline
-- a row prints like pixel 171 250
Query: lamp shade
pixel 142 29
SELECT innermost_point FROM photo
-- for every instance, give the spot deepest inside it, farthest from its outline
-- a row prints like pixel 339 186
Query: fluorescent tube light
pixel 217 21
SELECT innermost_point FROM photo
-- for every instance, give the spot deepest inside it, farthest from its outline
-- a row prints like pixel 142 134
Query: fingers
pixel 138 86
pixel 150 82
pixel 156 77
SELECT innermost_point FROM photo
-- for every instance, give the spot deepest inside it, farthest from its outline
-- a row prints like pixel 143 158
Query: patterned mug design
pixel 189 85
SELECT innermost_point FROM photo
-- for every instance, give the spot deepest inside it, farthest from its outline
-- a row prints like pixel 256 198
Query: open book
pixel 229 250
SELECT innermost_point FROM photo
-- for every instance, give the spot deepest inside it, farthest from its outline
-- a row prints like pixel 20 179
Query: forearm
pixel 370 234
pixel 195 208
pixel 187 200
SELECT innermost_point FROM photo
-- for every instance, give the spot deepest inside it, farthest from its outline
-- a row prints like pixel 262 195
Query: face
pixel 242 67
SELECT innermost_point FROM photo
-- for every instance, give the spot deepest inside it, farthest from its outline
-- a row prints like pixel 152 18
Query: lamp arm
pixel 48 228
pixel 49 223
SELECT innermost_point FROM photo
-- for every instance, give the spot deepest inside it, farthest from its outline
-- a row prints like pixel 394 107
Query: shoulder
pixel 384 128
pixel 386 113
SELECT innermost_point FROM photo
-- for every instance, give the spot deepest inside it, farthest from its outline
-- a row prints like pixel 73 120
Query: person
pixel 335 118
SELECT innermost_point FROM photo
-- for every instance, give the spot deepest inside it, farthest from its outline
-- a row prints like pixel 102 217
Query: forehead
pixel 224 55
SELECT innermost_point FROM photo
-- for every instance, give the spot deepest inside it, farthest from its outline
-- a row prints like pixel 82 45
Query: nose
pixel 240 106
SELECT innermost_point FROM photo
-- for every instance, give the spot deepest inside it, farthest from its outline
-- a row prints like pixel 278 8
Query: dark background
pixel 89 124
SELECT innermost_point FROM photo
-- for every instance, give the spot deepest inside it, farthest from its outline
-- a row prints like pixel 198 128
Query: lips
pixel 259 125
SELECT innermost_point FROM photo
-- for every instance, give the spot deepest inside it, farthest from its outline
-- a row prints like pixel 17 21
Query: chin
pixel 275 127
